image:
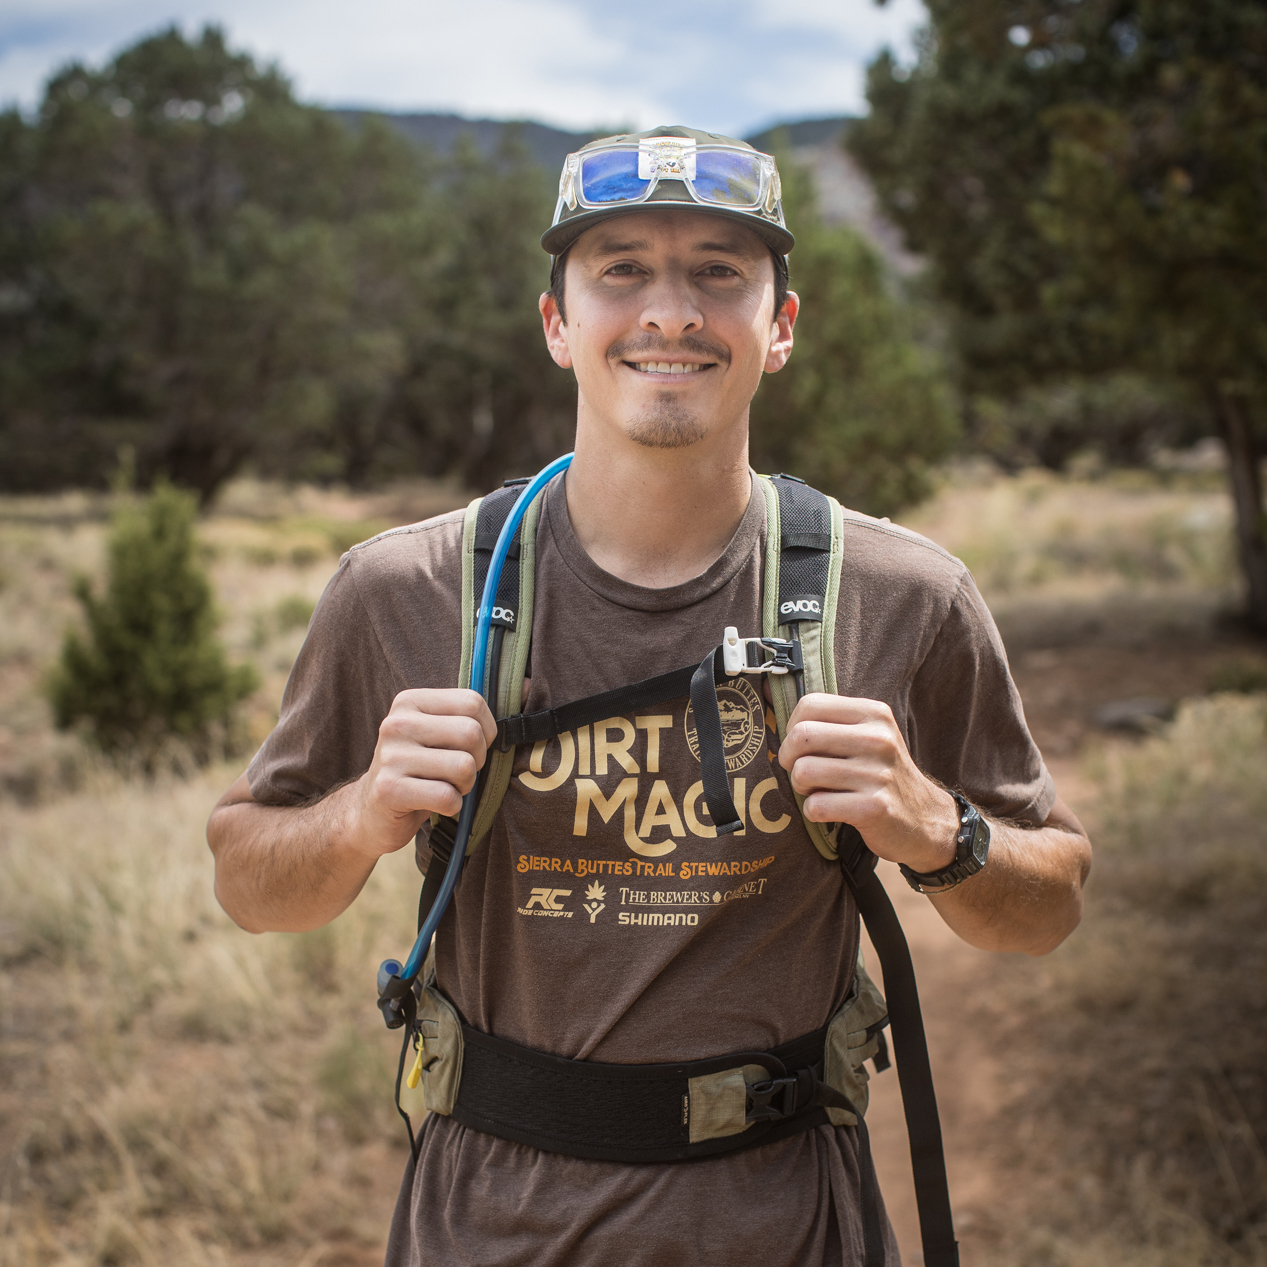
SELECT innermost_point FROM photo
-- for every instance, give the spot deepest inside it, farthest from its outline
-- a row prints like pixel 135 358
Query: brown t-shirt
pixel 602 918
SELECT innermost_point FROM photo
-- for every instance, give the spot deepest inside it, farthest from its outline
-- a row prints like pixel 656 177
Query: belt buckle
pixel 761 1095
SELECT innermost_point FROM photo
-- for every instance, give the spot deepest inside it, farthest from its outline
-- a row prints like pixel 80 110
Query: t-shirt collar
pixel 738 551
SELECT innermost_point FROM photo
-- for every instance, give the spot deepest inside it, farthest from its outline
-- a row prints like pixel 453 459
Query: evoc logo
pixel 801 607
pixel 505 614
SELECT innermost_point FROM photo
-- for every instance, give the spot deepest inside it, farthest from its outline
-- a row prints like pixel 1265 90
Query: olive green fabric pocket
pixel 851 1041
pixel 441 1048
pixel 719 1101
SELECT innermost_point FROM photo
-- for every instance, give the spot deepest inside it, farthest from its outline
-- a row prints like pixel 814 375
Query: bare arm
pixel 290 869
pixel 849 760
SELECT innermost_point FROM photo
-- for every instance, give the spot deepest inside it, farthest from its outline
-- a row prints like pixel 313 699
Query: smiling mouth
pixel 666 368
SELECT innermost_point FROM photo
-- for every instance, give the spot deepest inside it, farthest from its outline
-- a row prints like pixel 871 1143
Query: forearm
pixel 1028 897
pixel 283 869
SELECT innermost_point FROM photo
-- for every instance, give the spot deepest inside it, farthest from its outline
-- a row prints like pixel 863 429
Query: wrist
pixel 937 848
pixel 972 848
pixel 353 827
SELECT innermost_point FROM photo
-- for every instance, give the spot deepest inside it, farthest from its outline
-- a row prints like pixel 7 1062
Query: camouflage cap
pixel 673 165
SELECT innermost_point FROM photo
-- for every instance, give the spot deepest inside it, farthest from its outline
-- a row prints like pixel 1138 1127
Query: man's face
pixel 670 325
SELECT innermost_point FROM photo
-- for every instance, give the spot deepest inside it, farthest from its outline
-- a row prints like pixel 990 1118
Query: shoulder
pixel 430 550
pixel 895 558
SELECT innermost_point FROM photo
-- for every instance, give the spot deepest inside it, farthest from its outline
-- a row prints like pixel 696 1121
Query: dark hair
pixel 559 262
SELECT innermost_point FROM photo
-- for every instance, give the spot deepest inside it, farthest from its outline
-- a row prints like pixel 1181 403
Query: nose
pixel 671 309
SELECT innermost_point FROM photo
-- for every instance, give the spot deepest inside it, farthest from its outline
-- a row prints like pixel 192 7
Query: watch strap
pixel 972 846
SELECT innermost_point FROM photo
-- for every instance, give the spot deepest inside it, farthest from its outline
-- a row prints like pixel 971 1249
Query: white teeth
pixel 676 368
pixel 665 367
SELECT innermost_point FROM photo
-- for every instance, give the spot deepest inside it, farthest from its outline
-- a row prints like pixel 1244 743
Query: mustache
pixel 648 346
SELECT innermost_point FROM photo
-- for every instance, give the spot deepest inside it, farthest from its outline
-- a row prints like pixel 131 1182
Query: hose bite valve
pixel 391 992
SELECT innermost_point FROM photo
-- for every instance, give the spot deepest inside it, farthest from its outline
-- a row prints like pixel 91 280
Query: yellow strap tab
pixel 415 1074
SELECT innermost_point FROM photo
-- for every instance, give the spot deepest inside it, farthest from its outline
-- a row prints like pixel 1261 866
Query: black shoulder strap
pixel 491 517
pixel 804 550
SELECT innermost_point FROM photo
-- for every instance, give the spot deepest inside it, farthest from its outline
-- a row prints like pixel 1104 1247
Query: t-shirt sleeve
pixel 966 725
pixel 340 689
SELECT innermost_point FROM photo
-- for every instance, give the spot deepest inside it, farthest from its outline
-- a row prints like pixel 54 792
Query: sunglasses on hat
pixel 627 172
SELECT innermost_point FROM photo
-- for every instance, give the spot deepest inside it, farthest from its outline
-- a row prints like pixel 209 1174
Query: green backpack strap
pixel 512 629
pixel 804 547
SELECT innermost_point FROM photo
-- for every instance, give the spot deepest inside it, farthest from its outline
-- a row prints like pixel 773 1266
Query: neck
pixel 656 517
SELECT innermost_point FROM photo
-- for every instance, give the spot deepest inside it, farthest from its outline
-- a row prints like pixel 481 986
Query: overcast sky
pixel 725 65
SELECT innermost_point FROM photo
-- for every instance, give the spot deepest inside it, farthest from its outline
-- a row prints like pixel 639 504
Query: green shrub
pixel 150 669
pixel 294 612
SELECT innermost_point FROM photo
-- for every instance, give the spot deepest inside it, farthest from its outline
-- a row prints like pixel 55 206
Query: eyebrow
pixel 641 244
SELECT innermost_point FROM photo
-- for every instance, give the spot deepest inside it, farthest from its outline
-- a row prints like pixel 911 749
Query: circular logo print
pixel 742 723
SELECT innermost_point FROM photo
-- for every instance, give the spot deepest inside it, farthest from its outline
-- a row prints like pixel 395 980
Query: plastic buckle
pixel 762 1094
pixel 758 655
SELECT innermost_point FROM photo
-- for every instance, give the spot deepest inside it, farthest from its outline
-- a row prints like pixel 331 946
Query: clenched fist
pixel 849 760
pixel 431 747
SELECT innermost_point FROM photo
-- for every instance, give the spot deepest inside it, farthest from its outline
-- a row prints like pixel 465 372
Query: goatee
pixel 666 425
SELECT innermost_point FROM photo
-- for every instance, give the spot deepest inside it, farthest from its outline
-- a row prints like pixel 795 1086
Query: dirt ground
pixel 1062 688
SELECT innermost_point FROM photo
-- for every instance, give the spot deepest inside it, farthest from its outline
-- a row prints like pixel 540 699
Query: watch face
pixel 981 842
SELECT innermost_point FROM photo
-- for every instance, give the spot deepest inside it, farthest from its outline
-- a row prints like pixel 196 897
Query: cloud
pixel 724 64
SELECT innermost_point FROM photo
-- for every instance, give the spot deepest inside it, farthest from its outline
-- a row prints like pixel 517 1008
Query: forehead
pixel 672 229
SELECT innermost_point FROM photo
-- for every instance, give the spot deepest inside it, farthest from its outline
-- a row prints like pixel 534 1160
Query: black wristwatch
pixel 972 847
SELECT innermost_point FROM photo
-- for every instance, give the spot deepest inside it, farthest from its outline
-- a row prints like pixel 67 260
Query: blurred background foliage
pixel 1085 179
pixel 195 264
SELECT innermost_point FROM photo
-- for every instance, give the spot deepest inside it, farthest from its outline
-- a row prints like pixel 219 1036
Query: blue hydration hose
pixel 478 682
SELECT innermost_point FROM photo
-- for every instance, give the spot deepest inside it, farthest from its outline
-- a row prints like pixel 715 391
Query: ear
pixel 556 331
pixel 781 335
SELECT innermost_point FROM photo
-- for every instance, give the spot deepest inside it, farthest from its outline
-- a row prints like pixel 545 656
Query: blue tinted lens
pixel 729 177
pixel 611 176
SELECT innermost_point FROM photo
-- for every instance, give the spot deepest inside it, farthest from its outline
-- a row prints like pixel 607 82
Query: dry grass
pixel 175 1089
pixel 172 1090
pixel 1126 555
pixel 1138 1064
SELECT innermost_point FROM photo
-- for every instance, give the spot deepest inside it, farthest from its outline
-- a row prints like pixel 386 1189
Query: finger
pixel 454 702
pixel 873 740
pixel 459 733
pixel 448 765
pixel 857 809
pixel 831 774
pixel 427 796
pixel 841 709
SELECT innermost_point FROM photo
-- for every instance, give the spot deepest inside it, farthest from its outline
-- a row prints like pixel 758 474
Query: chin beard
pixel 667 426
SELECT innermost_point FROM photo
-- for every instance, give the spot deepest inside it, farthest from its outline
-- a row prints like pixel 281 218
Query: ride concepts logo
pixel 548 902
pixel 742 723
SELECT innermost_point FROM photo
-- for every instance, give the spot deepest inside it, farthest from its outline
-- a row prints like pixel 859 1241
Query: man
pixel 669 302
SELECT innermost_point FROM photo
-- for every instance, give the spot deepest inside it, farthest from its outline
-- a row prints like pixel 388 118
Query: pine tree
pixel 1085 178
pixel 151 668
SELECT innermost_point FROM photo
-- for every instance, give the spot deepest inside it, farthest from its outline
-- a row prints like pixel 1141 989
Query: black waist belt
pixel 633 1113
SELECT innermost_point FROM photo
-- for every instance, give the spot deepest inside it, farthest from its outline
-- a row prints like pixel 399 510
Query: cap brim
pixel 559 237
